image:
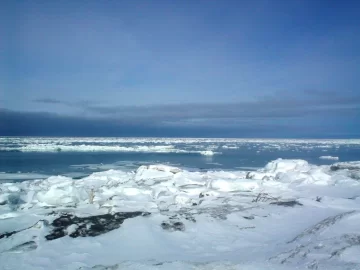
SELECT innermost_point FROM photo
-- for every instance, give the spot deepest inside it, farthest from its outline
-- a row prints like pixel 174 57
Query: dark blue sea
pixel 25 158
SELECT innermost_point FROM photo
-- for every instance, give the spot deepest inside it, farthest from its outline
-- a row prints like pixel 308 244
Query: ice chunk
pixel 158 172
pixel 5 177
pixel 207 153
pixel 234 185
pixel 58 195
pixel 283 165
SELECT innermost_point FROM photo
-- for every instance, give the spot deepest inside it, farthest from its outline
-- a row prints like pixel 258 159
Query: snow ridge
pixel 288 214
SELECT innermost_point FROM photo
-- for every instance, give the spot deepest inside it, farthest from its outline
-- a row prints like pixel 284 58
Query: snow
pixel 289 214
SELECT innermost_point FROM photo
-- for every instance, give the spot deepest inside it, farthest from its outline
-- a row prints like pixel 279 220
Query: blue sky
pixel 180 68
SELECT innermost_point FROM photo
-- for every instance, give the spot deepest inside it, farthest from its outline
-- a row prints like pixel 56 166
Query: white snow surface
pixel 289 214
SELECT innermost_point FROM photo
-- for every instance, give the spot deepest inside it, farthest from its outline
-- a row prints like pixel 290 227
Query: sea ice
pixel 289 214
pixel 329 157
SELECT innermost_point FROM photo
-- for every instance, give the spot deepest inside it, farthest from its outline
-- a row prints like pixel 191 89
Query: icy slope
pixel 288 214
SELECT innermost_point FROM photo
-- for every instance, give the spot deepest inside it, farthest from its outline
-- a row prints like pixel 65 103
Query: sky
pixel 206 68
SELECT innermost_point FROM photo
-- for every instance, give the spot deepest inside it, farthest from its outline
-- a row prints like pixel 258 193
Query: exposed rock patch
pixel 173 226
pixel 287 203
pixel 68 224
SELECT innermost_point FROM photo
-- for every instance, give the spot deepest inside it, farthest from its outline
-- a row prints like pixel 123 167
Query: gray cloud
pixel 269 109
pixel 81 103
pixel 50 101
pixel 46 124
pixel 314 114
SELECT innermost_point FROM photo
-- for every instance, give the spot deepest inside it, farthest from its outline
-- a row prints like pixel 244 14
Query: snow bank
pixel 160 185
pixel 289 214
pixel 283 166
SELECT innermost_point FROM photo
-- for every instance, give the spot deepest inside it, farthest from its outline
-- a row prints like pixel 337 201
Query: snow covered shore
pixel 288 214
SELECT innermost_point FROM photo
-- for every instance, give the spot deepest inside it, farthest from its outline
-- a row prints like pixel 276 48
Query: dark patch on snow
pixel 173 226
pixel 49 207
pixel 190 218
pixel 27 246
pixel 355 174
pixel 287 203
pixel 179 216
pixel 89 226
pixel 202 195
pixel 322 225
pixel 7 234
pixel 14 200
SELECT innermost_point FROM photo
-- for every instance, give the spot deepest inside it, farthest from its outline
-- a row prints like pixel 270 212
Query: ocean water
pixel 24 158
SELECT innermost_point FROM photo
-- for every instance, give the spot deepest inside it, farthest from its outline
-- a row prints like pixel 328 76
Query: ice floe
pixel 164 145
pixel 329 157
pixel 8 177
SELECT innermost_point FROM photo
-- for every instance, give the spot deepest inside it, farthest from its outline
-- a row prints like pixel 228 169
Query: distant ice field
pixel 26 158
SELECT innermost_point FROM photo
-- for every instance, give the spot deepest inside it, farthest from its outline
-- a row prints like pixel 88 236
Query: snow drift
pixel 288 214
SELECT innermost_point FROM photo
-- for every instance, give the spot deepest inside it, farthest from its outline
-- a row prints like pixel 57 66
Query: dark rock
pixel 173 226
pixel 55 234
pixel 89 226
pixel 202 195
pixel 166 226
pixel 287 203
pixel 7 234
pixel 248 217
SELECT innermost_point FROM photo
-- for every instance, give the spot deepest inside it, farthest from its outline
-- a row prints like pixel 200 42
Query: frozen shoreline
pixel 285 215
